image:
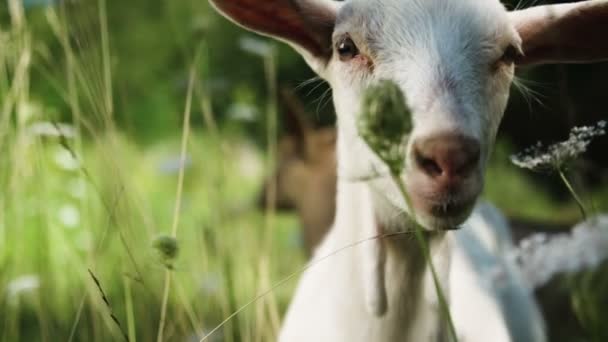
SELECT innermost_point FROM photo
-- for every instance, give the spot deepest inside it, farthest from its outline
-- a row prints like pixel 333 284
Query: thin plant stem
pixel 178 199
pixel 270 205
pixel 309 265
pixel 106 63
pixel 271 137
pixel 427 255
pixel 129 309
pixel 77 319
pixel 106 301
pixel 163 311
pixel 194 320
pixel 577 199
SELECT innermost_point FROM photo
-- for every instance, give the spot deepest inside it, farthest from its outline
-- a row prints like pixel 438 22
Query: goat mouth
pixel 450 209
pixel 432 210
pixel 444 215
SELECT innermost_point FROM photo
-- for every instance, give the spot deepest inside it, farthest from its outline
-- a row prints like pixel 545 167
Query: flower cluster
pixel 555 156
pixel 541 257
pixel 385 122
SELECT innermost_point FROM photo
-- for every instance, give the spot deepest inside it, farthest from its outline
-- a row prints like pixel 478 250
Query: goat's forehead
pixel 412 21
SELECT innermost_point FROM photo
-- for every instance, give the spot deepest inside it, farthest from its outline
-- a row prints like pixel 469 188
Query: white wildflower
pixel 243 112
pixel 211 284
pixel 555 156
pixel 22 284
pixel 66 160
pixel 256 46
pixel 49 129
pixel 541 257
pixel 175 164
pixel 69 216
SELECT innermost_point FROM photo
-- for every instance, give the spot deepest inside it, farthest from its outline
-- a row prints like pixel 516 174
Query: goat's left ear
pixel 565 33
pixel 307 25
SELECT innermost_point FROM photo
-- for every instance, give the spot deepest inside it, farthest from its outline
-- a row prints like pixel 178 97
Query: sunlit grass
pixel 56 219
pixel 91 204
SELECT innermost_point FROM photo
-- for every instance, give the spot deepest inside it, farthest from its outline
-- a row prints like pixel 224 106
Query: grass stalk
pixel 573 193
pixel 178 199
pixel 443 304
pixel 271 139
pixel 129 309
pixel 106 301
pixel 190 314
pixel 216 193
pixel 106 62
pixel 163 310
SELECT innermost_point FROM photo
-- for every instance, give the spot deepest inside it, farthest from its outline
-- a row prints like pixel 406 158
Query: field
pixel 132 156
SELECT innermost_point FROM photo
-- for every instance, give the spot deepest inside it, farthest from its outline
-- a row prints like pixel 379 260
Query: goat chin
pixel 432 213
pixel 382 290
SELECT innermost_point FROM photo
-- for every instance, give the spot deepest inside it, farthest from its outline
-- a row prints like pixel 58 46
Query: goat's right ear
pixel 307 25
pixel 563 33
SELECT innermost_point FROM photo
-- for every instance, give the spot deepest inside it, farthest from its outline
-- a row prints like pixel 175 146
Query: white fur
pixel 413 40
pixel 488 301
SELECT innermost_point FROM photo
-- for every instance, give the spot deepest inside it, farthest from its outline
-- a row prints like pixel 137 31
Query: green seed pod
pixel 167 247
pixel 384 123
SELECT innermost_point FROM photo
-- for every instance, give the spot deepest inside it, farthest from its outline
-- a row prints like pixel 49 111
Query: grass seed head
pixel 167 248
pixel 385 122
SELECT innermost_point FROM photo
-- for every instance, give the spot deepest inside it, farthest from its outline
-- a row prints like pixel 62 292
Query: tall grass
pixel 91 199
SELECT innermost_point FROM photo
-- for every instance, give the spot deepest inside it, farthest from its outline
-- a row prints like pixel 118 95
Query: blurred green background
pixel 93 97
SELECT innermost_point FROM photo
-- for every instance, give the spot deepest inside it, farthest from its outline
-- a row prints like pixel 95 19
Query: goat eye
pixel 510 55
pixel 347 49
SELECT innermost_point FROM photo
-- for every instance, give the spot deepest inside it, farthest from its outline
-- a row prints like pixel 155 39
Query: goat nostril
pixel 428 165
pixel 450 157
pixel 470 162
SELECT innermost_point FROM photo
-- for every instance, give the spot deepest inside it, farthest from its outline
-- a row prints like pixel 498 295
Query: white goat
pixel 454 60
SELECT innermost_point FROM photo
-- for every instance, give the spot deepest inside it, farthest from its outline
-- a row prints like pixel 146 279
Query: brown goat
pixel 306 172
